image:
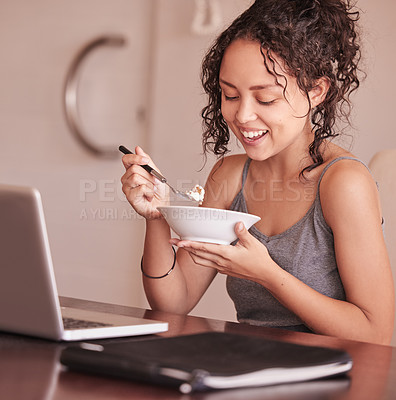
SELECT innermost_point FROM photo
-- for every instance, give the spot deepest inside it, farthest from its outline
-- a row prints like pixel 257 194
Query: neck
pixel 290 162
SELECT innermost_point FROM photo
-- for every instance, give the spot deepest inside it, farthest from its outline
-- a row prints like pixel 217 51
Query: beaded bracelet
pixel 162 276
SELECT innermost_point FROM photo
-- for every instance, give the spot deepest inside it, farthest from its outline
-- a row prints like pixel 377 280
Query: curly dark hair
pixel 314 38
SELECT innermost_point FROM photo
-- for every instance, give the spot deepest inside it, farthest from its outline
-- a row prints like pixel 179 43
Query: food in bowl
pixel 203 224
pixel 197 193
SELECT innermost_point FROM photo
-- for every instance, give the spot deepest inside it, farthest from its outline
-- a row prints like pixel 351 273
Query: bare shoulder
pixel 348 188
pixel 224 181
pixel 345 172
pixel 228 167
pixel 347 175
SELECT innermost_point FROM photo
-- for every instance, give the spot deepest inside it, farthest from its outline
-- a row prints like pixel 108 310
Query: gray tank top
pixel 305 250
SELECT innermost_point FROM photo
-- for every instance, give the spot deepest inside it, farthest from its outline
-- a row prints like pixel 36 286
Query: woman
pixel 279 78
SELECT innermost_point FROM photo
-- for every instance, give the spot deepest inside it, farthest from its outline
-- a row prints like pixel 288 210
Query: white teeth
pixel 252 134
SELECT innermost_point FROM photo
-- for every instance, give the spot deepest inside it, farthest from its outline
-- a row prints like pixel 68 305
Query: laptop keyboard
pixel 72 323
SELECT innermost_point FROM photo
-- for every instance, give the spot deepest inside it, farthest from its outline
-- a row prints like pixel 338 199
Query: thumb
pixel 140 152
pixel 145 157
pixel 242 233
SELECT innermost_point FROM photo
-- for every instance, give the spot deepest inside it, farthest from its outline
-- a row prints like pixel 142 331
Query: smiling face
pixel 266 119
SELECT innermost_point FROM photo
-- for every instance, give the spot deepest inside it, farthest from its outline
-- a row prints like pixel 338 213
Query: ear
pixel 318 93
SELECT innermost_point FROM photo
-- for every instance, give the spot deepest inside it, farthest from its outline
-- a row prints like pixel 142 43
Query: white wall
pixel 95 255
pixel 158 71
pixel 375 101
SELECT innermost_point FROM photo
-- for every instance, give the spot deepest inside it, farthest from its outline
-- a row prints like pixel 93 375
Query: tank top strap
pixel 333 162
pixel 245 171
pixel 249 160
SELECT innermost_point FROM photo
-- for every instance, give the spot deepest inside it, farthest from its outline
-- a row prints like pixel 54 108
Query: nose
pixel 245 112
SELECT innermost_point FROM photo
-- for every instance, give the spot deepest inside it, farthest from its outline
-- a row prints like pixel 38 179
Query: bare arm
pixel 351 208
pixel 181 290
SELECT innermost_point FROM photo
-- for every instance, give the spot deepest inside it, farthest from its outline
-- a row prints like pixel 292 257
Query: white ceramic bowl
pixel 211 225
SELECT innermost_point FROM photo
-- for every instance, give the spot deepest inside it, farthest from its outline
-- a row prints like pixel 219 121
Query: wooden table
pixel 29 368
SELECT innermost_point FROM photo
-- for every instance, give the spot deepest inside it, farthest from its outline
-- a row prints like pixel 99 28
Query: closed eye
pixel 230 97
pixel 266 103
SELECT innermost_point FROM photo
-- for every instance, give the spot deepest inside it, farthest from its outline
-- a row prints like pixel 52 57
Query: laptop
pixel 29 302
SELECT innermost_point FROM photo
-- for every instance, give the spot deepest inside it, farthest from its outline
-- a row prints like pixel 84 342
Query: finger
pixel 139 151
pixel 174 241
pixel 140 197
pixel 201 249
pixel 133 180
pixel 222 268
pixel 139 194
pixel 203 262
pixel 131 159
pixel 135 175
pixel 127 177
pixel 144 191
pixel 138 170
pixel 204 246
pixel 214 259
pixel 243 234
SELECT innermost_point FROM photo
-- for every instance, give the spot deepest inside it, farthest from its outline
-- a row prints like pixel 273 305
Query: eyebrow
pixel 255 87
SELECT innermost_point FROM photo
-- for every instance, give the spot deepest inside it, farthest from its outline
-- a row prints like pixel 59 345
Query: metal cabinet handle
pixel 71 100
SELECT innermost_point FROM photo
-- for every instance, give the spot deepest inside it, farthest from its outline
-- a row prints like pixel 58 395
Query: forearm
pixel 182 288
pixel 169 293
pixel 325 315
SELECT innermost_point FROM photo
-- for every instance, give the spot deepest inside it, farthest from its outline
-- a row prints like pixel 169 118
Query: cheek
pixel 299 105
pixel 228 112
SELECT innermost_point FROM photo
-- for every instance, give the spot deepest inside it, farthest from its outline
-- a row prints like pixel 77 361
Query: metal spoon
pixel 155 173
